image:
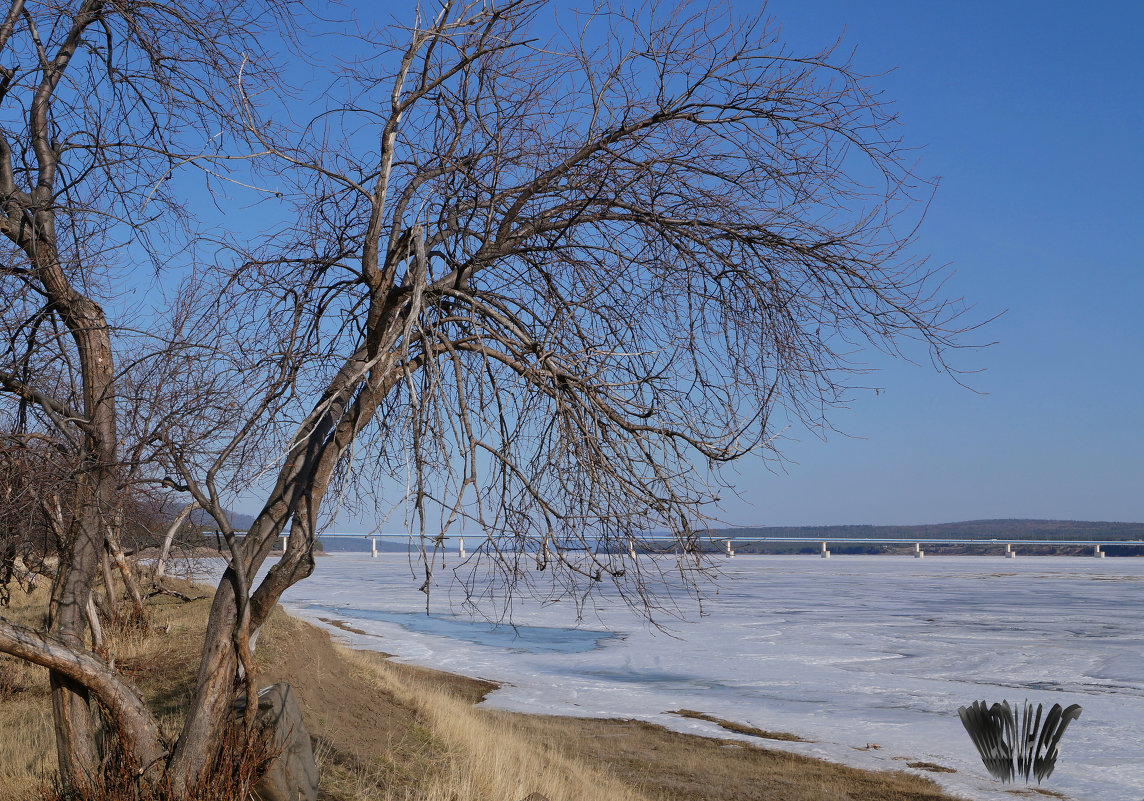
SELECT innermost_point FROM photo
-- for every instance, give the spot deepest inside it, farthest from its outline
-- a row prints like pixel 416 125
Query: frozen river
pixel 844 652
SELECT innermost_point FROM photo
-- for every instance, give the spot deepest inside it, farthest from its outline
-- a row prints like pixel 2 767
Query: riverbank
pixel 390 730
pixel 386 731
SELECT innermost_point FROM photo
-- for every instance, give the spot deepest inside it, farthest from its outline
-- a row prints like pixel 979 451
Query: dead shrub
pixel 242 759
pixel 128 621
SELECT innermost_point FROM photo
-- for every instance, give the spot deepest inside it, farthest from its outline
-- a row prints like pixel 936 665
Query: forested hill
pixel 970 529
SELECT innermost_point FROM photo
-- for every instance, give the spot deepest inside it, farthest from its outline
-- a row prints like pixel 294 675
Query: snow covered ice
pixel 843 652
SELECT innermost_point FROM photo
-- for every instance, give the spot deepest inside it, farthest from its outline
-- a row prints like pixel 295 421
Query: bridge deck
pixel 839 540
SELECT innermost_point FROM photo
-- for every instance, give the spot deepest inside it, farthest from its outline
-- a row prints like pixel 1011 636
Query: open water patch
pixel 523 639
pixel 660 680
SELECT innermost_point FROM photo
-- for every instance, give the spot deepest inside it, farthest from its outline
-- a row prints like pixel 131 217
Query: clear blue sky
pixel 1032 114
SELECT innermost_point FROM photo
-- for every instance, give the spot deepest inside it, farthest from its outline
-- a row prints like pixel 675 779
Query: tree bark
pixel 117 556
pixel 211 704
pixel 78 753
pixel 93 624
pixel 168 538
pixel 109 592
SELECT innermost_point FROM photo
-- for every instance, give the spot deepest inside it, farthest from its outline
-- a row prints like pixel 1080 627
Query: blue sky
pixel 1031 114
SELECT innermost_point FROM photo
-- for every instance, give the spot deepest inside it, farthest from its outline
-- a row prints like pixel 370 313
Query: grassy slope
pixel 385 731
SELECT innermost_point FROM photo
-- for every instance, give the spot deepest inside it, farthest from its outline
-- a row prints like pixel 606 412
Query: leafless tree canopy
pixel 536 276
pixel 575 272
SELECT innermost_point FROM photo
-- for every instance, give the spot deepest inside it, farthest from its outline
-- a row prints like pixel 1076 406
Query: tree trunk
pixel 116 551
pixel 74 724
pixel 211 705
pixel 296 498
pixel 168 538
pixel 109 593
pixel 95 490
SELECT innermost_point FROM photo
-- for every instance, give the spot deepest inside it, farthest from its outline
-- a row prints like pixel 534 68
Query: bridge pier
pixel 1009 552
pixel 373 547
pixel 825 554
pixel 631 548
pixel 1099 554
pixel 461 547
pixel 730 551
pixel 284 540
pixel 918 552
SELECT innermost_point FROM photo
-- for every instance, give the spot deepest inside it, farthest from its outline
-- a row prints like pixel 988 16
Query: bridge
pixel 824 550
pixel 1096 545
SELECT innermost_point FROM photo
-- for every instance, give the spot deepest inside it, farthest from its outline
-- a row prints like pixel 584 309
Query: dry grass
pixel 669 766
pixel 400 733
pixel 27 747
pixel 932 767
pixel 368 746
pixel 740 728
pixel 485 756
pixel 160 663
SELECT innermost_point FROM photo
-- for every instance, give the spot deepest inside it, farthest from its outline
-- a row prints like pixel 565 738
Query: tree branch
pixel 126 708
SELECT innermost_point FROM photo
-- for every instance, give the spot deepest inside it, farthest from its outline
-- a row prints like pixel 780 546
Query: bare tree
pixel 548 283
pixel 558 284
pixel 96 101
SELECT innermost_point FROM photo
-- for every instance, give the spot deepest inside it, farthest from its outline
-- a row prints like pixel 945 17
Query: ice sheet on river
pixel 844 652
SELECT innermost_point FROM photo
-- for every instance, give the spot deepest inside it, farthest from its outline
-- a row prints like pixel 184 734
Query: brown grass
pixel 384 731
pixel 669 766
pixel 27 747
pixel 159 663
pixel 932 767
pixel 739 728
